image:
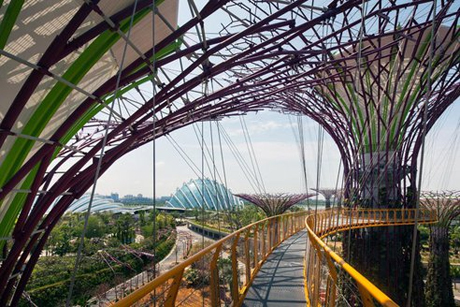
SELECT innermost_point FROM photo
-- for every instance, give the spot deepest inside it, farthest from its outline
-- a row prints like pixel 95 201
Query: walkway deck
pixel 280 281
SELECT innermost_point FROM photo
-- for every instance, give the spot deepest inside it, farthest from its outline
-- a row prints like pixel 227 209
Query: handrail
pixel 248 248
pixel 329 222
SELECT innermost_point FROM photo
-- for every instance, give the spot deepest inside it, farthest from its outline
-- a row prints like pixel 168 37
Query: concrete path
pixel 280 281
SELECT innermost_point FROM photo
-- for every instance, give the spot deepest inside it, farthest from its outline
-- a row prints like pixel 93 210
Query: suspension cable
pixel 302 155
pixel 195 169
pixel 252 156
pixel 335 203
pixel 422 153
pixel 154 122
pixel 319 161
pixel 239 158
pixel 202 192
pixel 222 161
pixel 214 176
pixel 99 164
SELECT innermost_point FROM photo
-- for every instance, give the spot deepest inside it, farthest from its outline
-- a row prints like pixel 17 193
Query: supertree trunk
pixel 383 255
pixel 374 252
pixel 439 281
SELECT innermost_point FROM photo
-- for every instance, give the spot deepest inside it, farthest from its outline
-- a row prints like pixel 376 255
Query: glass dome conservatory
pixel 101 204
pixel 208 193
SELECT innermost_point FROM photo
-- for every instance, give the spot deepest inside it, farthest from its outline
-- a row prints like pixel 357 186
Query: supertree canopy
pixel 373 102
pixel 274 204
pixel 85 82
pixel 328 194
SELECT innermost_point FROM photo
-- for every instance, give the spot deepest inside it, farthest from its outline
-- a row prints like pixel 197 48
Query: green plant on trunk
pixel 439 279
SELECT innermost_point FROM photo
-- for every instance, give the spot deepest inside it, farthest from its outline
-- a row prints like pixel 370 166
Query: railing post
pixel 172 293
pixel 323 220
pixel 338 220
pixel 269 236
pixel 247 257
pixel 256 246
pixel 331 293
pixel 317 278
pixel 285 221
pixel 262 241
pixel 365 297
pixel 235 286
pixel 352 218
pixel 214 282
pixel 277 230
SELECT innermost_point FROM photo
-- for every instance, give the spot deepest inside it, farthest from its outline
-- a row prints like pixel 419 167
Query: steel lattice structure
pixel 274 204
pixel 117 70
pixel 328 194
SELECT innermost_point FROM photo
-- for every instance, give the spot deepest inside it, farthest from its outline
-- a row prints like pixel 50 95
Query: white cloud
pixel 160 163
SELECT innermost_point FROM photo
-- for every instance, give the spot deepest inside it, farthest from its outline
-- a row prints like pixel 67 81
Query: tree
pixel 95 228
pixel 125 228
pixel 60 240
pixel 142 220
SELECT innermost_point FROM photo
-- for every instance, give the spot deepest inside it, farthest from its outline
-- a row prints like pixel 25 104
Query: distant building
pixel 205 193
pixel 101 203
pixel 163 199
pixel 115 196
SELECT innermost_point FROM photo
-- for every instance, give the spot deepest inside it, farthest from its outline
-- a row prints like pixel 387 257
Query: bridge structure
pixel 86 82
pixel 248 249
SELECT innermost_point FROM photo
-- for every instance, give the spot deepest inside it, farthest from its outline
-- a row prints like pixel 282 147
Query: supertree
pixel 328 194
pixel 446 204
pixel 65 65
pixel 274 204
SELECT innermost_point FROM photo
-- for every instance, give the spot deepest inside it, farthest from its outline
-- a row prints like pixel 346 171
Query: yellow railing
pixel 227 268
pixel 322 265
pixel 243 251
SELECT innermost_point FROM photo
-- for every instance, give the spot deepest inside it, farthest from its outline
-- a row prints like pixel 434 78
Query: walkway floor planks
pixel 280 281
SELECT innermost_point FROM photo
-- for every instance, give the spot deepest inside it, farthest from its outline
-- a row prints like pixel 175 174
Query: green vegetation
pixel 110 255
pixel 451 245
pixel 240 217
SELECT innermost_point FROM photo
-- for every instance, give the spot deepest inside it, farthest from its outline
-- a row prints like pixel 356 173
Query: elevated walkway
pixel 280 281
pixel 279 261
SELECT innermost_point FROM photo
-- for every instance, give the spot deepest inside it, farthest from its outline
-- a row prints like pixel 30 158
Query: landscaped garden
pixel 116 247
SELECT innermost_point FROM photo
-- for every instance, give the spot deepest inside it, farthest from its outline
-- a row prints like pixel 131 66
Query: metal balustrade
pixel 227 268
pixel 322 265
pixel 245 250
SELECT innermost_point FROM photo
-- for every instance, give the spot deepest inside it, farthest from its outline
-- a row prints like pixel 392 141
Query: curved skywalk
pixel 280 281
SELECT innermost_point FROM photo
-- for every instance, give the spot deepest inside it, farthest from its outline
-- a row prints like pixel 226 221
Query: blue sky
pixel 277 154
